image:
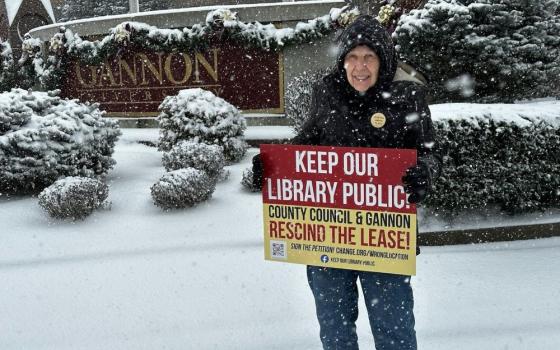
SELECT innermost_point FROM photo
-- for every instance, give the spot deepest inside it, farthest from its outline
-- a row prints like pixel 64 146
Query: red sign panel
pixel 341 177
pixel 134 83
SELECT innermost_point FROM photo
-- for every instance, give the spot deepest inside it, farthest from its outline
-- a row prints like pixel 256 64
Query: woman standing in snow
pixel 343 106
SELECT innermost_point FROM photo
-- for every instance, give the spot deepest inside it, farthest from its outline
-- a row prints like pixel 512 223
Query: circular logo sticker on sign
pixel 378 120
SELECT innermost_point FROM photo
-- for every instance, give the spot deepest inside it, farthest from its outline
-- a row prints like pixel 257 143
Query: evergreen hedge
pixel 495 162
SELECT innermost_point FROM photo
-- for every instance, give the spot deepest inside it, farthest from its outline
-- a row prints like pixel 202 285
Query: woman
pixel 359 104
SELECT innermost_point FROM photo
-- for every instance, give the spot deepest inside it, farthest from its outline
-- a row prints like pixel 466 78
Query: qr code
pixel 278 250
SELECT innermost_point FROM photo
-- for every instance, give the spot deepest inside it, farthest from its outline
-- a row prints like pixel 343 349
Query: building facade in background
pixel 17 17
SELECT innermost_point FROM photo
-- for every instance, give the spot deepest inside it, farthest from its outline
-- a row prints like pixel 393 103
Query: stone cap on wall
pixel 177 18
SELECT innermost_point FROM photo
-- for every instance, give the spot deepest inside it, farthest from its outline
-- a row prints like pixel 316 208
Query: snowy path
pixel 138 278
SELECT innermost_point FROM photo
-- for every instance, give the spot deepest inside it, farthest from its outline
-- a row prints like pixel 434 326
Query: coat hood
pixel 366 30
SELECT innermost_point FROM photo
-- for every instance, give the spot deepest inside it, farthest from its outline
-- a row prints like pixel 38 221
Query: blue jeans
pixel 389 304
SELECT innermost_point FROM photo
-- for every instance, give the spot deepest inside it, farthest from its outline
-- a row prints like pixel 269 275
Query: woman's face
pixel 362 67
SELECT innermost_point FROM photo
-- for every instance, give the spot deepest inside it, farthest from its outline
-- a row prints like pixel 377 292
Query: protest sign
pixel 339 207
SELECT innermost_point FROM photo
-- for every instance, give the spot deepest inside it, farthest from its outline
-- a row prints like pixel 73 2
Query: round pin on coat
pixel 378 120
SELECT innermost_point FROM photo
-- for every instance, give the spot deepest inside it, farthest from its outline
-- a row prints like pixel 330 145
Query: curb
pixel 489 234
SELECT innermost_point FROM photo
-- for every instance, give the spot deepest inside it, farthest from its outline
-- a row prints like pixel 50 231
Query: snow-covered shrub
pixel 189 154
pixel 234 148
pixel 30 67
pixel 484 50
pixel 73 197
pixel 15 116
pixel 298 96
pixel 495 162
pixel 247 181
pixel 8 69
pixel 200 116
pixel 182 188
pixel 223 175
pixel 44 138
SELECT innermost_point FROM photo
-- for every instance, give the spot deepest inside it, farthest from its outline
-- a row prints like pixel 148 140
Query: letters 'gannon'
pixel 134 82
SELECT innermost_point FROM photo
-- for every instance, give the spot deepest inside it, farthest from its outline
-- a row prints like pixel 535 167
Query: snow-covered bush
pixel 8 70
pixel 182 188
pixel 189 154
pixel 73 197
pixel 44 138
pixel 484 50
pixel 234 148
pixel 247 181
pixel 495 162
pixel 30 67
pixel 200 116
pixel 298 96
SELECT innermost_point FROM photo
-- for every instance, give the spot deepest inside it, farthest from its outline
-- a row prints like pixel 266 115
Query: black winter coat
pixel 338 121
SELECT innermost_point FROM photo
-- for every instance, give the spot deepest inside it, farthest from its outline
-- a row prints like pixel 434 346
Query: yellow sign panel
pixel 341 238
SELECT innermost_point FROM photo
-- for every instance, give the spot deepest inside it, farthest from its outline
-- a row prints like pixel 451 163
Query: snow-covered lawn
pixel 136 277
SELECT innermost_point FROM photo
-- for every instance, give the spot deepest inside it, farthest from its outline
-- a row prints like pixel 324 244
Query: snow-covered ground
pixel 135 277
